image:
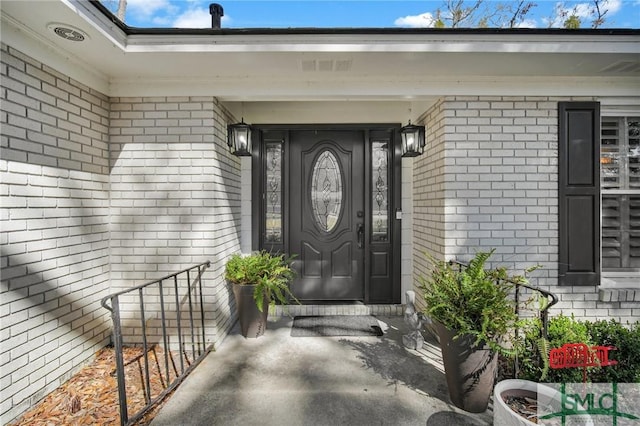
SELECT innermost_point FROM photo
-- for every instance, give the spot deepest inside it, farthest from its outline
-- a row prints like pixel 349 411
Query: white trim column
pixel 406 250
pixel 245 205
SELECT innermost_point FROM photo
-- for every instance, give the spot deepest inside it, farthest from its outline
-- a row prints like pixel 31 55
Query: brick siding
pixel 175 200
pixel 98 195
pixel 498 157
pixel 429 222
pixel 55 229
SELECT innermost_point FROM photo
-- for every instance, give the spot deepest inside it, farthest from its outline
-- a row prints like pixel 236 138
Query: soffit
pixel 318 66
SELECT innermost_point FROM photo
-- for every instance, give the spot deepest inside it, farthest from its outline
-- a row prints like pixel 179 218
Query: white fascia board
pixel 98 21
pixel 383 43
pixel 360 88
pixel 429 42
pixel 370 42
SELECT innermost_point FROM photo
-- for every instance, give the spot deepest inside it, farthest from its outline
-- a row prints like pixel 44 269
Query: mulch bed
pixel 90 397
pixel 523 406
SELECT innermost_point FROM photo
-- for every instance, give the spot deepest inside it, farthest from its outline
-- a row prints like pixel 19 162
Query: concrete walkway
pixel 282 380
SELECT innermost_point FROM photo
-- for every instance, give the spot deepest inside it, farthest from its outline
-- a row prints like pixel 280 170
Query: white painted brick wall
pixel 493 192
pixel 54 240
pixel 175 199
pixel 429 225
pixel 157 179
pixel 499 161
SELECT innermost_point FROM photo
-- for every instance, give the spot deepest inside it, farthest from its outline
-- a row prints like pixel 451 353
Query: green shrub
pixel 563 329
pixel 530 351
pixel 627 344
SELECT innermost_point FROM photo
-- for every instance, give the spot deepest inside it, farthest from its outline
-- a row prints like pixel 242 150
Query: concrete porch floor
pixel 282 380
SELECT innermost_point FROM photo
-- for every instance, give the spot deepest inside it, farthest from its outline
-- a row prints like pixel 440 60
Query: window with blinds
pixel 620 183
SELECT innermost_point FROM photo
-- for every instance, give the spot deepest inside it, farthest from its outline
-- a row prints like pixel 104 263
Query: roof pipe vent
pixel 217 13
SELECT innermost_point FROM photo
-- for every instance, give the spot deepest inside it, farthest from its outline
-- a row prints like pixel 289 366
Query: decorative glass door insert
pixel 273 193
pixel 326 191
pixel 380 191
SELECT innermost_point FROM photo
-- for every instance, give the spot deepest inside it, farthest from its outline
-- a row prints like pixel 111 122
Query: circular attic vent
pixel 68 32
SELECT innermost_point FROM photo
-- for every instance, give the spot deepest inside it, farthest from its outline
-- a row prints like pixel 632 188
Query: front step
pixel 339 309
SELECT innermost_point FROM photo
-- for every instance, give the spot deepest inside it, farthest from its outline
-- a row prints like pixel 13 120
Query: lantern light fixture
pixel 239 139
pixel 413 140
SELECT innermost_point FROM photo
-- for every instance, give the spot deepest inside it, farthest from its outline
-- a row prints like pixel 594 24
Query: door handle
pixel 360 232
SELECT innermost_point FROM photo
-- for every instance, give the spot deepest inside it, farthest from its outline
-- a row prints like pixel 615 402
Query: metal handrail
pixel 543 312
pixel 544 317
pixel 197 355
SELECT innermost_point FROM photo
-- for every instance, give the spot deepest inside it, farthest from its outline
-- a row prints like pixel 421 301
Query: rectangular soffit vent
pixel 622 67
pixel 325 65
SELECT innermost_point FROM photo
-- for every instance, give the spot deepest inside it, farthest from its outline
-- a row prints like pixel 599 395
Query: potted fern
pixel 472 311
pixel 258 280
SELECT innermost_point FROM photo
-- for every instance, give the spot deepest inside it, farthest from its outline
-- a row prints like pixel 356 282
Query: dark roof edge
pixel 355 31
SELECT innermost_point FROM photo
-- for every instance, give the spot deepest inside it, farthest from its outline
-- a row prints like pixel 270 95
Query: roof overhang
pixel 399 65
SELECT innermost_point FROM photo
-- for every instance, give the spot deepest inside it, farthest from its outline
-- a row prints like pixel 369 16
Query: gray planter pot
pixel 503 415
pixel 253 323
pixel 470 370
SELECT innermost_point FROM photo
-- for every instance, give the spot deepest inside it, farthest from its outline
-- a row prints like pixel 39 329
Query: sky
pixel 349 13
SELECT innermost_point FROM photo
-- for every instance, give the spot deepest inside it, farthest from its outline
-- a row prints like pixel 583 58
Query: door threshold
pixel 350 308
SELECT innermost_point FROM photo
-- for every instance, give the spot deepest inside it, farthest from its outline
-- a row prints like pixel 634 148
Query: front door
pixel 327 214
pixel 330 196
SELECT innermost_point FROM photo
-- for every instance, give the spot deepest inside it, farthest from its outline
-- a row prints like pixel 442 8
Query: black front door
pixel 330 196
pixel 327 214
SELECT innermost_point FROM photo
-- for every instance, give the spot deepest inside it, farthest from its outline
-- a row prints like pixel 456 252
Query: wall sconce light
pixel 412 140
pixel 239 139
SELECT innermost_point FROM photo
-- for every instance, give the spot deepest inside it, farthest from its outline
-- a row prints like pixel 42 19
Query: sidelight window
pixel 380 190
pixel 273 193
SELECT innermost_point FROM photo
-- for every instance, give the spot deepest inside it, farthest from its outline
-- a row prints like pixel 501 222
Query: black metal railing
pixel 551 298
pixel 165 318
pixel 544 314
pixel 544 317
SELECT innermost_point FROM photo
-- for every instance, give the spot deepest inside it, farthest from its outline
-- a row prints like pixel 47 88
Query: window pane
pixel 633 126
pixel 273 192
pixel 326 191
pixel 620 172
pixel 610 154
pixel 634 231
pixel 621 232
pixel 611 235
pixel 380 191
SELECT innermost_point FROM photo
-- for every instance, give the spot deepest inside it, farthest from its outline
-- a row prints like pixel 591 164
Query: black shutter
pixel 579 193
